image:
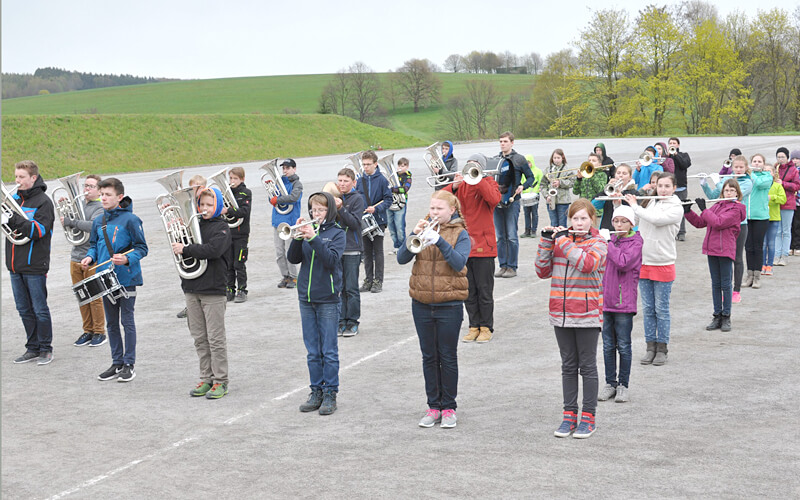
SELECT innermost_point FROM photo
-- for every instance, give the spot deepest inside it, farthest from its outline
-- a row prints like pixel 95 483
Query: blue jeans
pixel 505 226
pixel 531 214
pixel 397 226
pixel 655 309
pixel 438 328
pixel 350 309
pixel 558 217
pixel 319 334
pixel 721 269
pixel 121 311
pixel 30 297
pixel 784 237
pixel 769 242
pixel 617 337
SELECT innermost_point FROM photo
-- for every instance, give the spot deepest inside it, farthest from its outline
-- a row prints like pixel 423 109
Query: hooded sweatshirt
pixel 537 174
pixel 320 259
pixel 723 221
pixel 216 240
pixel 621 278
pixel 606 160
pixel 124 232
pixel 34 256
pixel 666 163
pixel 642 176
pixel 659 223
pixel 350 217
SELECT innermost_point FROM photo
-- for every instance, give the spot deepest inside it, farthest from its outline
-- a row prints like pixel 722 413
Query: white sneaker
pixel 781 261
pixel 607 393
pixel 622 394
pixel 448 419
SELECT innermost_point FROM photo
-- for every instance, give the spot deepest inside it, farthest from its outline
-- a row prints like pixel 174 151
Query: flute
pixel 622 198
pixel 702 175
pixel 688 202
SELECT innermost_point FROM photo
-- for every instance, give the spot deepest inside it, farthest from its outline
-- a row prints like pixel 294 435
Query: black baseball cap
pixel 288 162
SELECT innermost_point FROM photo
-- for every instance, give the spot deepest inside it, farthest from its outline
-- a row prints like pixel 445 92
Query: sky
pixel 201 39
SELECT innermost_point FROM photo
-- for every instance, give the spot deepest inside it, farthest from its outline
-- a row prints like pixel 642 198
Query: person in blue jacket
pixel 643 172
pixel 374 187
pixel 118 242
pixel 318 249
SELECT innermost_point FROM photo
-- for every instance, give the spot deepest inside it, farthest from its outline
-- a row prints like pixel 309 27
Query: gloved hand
pixel 396 190
pixel 563 232
pixel 701 204
pixel 687 207
pixel 605 233
pixel 16 221
pixel 274 201
pixel 430 237
pixel 547 233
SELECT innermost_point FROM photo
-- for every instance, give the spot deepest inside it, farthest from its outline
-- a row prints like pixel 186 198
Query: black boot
pixel 314 401
pixel 726 323
pixel 328 404
pixel 716 323
pixel 650 354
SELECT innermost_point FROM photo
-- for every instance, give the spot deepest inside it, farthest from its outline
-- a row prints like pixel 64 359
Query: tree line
pixel 53 80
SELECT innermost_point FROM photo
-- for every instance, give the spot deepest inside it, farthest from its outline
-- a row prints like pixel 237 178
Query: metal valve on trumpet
pixel 416 243
pixel 287 232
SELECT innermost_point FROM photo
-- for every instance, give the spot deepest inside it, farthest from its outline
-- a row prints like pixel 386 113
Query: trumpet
pixel 228 199
pixel 9 208
pixel 615 187
pixel 646 159
pixel 672 151
pixel 415 242
pixel 274 184
pixel 287 232
pixel 180 218
pixel 473 173
pixel 68 205
pixel 689 202
pixel 727 163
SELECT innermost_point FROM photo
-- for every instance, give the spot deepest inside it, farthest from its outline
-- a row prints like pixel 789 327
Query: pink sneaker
pixel 737 297
pixel 431 418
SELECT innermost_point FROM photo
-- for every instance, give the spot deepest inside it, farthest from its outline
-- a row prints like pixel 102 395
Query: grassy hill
pixel 253 95
pixel 105 143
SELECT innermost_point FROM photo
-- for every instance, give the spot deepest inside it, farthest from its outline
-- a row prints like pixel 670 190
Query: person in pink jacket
pixel 790 180
pixel 723 222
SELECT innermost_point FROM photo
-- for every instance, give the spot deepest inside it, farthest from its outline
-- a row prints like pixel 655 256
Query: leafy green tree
pixel 418 82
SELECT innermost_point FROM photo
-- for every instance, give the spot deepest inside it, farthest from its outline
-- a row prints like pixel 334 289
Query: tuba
pixel 433 158
pixel 171 182
pixel 69 206
pixel 11 207
pixel 354 164
pixel 228 199
pixel 390 172
pixel 274 184
pixel 180 222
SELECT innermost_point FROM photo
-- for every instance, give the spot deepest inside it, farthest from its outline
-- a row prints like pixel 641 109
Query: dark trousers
pixel 373 259
pixel 480 302
pixel 122 311
pixel 531 214
pixel 578 348
pixel 738 264
pixel 683 196
pixel 437 329
pixel 350 310
pixel 754 245
pixel 721 294
pixel 30 297
pixel 795 245
pixel 236 265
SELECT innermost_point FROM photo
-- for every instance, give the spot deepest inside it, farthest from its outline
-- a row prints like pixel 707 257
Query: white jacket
pixel 659 224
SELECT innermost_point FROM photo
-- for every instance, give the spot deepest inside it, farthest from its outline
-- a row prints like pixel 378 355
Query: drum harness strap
pixel 123 292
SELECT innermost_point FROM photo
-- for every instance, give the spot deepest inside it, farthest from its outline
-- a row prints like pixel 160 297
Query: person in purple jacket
pixel 620 286
pixel 723 222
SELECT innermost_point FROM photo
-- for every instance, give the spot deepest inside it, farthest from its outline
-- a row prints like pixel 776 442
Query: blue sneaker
pixel 586 428
pixel 340 330
pixel 98 339
pixel 83 339
pixel 350 331
pixel 567 425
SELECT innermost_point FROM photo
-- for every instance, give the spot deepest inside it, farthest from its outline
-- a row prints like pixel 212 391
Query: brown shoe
pixel 485 335
pixel 474 331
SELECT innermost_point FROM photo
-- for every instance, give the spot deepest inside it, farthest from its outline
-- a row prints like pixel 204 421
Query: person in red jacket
pixel 790 180
pixel 723 222
pixel 477 207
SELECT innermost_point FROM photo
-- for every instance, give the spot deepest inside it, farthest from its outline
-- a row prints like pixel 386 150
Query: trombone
pixel 586 170
pixel 287 232
pixel 416 243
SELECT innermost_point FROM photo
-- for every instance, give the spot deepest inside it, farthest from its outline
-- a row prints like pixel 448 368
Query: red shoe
pixel 767 271
pixel 737 297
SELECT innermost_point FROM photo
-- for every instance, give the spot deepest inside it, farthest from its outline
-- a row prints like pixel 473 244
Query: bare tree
pixel 473 61
pixel 336 94
pixel 365 91
pixel 392 90
pixel 483 98
pixel 457 119
pixel 418 82
pixel 533 63
pixel 509 59
pixel 454 63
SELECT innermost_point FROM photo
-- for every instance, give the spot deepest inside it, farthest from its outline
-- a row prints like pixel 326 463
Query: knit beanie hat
pixel 735 152
pixel 795 154
pixel 626 212
pixel 782 150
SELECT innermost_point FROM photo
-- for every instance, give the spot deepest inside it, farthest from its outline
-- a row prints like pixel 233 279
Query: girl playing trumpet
pixel 438 287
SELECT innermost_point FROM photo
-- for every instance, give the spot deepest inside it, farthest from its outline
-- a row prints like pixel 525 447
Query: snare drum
pixel 529 199
pixel 98 286
pixel 369 226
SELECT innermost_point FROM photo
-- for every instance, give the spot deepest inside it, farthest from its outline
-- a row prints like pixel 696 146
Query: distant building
pixel 514 70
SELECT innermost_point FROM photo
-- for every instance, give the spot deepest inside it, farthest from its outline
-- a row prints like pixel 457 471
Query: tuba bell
pixel 68 205
pixel 11 207
pixel 433 159
pixel 171 182
pixel 180 221
pixel 354 163
pixel 228 199
pixel 273 183
pixel 390 172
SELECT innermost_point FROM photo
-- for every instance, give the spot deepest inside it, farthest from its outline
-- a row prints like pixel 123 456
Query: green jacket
pixel 777 197
pixel 589 188
pixel 537 176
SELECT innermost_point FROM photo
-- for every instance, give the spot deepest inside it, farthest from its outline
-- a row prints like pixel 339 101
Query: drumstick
pixel 109 260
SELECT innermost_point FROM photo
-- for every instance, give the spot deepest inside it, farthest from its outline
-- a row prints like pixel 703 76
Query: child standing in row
pixel 574 258
pixel 620 282
pixel 777 197
pixel 724 222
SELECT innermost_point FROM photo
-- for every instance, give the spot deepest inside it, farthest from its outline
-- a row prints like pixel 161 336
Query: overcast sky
pixel 210 39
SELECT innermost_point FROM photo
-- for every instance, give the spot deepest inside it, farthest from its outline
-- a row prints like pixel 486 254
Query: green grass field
pixel 254 95
pixel 105 143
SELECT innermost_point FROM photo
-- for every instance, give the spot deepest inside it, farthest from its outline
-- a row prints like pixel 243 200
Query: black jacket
pixel 682 164
pixel 216 237
pixel 34 256
pixel 243 197
pixel 349 216
pixel 519 167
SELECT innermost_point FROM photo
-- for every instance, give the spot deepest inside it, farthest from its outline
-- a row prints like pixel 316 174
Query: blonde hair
pixel 449 198
pixel 742 159
pixel 198 180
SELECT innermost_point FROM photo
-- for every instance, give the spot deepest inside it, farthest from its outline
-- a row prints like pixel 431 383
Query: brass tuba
pixel 69 206
pixel 11 207
pixel 433 158
pixel 228 199
pixel 390 172
pixel 274 184
pixel 171 182
pixel 180 222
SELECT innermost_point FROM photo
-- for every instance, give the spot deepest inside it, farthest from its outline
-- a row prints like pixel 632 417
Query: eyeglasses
pixel 319 210
pixel 90 186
